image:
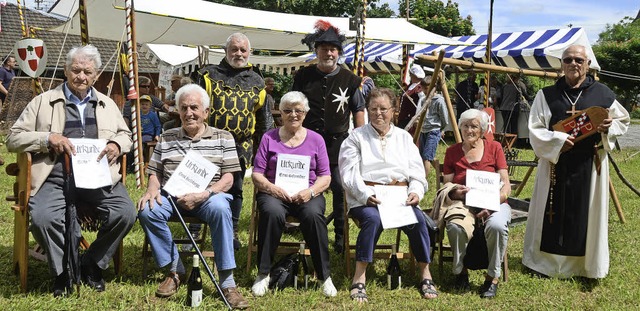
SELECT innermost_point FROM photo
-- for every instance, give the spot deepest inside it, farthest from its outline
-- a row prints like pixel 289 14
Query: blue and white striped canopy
pixel 540 49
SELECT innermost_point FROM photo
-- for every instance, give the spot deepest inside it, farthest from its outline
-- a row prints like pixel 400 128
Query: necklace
pixel 572 102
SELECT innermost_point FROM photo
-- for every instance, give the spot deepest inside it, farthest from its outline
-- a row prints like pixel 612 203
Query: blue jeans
pixel 428 144
pixel 215 211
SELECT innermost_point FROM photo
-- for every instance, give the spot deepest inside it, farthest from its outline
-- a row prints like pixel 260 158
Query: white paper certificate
pixel 193 174
pixel 393 211
pixel 292 172
pixel 88 172
pixel 484 190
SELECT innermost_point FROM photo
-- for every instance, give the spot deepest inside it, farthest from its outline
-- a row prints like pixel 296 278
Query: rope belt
pixel 392 183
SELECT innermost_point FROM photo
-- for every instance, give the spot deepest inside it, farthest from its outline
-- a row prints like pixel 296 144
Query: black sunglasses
pixel 569 60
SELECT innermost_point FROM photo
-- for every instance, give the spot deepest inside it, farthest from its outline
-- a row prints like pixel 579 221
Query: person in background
pixel 274 203
pixel 169 106
pixel 237 92
pixel 466 94
pixel 334 96
pixel 435 121
pixel 7 72
pixel 379 153
pixel 75 109
pixel 411 96
pixel 567 227
pixel 513 93
pixel 210 205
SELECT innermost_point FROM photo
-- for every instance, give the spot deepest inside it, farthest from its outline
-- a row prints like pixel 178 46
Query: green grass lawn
pixel 132 291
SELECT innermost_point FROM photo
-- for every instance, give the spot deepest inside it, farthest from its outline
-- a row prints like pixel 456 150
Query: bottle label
pixel 196 298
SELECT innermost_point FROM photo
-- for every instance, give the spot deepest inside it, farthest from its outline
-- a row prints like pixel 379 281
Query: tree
pixel 313 7
pixel 618 50
pixel 435 16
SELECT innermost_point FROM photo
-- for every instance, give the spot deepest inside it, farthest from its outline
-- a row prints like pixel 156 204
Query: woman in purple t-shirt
pixel 275 201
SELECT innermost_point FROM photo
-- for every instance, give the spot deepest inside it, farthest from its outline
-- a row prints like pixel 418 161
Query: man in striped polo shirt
pixel 210 205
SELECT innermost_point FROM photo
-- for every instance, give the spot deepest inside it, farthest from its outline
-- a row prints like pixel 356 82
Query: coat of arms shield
pixel 32 56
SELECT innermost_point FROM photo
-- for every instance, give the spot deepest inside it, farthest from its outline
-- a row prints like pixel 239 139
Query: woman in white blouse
pixel 381 154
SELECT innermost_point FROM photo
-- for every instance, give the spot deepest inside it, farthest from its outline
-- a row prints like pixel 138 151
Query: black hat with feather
pixel 325 33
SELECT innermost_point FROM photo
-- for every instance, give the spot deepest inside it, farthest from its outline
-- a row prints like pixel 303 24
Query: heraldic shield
pixel 32 56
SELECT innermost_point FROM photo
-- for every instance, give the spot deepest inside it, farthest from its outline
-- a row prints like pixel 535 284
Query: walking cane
pixel 195 246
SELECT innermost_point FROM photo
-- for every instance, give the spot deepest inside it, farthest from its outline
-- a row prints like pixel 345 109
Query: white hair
pixel 193 89
pixel 294 98
pixel 475 114
pixel 88 51
pixel 237 36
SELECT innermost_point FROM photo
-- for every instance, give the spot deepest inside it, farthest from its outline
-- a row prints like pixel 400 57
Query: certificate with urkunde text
pixel 193 174
pixel 394 212
pixel 88 172
pixel 292 172
pixel 484 190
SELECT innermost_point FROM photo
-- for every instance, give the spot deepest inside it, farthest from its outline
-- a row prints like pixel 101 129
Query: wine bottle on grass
pixel 194 284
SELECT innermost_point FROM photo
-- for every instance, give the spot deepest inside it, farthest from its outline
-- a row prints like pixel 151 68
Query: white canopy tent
pixel 196 22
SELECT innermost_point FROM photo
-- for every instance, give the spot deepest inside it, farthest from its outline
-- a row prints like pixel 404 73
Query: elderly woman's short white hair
pixel 475 114
pixel 294 98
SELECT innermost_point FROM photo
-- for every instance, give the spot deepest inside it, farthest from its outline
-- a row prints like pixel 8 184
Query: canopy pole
pixel 431 91
pixel 493 68
pixel 84 24
pixel 452 115
pixel 133 94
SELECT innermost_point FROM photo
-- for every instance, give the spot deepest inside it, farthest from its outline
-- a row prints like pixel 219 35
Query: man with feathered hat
pixel 334 95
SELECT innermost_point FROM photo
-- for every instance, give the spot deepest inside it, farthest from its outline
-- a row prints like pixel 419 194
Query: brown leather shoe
pixel 234 298
pixel 169 286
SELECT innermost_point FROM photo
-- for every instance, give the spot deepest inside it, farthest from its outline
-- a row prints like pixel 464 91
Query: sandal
pixel 427 287
pixel 360 294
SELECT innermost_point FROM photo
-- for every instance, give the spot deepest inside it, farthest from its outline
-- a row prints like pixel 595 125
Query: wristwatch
pixel 211 192
pixel 313 193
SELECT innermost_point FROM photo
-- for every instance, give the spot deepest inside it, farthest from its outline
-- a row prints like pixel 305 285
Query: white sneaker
pixel 328 289
pixel 261 285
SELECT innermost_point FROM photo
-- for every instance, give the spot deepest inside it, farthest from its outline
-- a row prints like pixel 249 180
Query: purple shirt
pixel 313 145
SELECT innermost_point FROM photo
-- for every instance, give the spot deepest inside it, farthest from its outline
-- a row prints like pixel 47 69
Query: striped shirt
pixel 215 145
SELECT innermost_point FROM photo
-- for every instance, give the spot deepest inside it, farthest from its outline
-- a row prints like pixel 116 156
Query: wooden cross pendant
pixel 573 110
pixel 550 213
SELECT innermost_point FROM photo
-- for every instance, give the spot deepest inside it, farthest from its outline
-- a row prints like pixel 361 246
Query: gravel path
pixel 632 138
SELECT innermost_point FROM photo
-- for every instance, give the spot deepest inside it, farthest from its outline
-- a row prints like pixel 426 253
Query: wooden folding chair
pixel 284 247
pixel 21 194
pixel 381 251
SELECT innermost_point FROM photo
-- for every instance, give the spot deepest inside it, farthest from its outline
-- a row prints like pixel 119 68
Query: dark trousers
pixel 338 201
pixel 371 228
pixel 273 213
pixel 236 192
pixel 510 119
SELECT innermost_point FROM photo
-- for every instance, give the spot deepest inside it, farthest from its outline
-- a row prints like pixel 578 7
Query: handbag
pixel 284 273
pixel 432 228
pixel 477 254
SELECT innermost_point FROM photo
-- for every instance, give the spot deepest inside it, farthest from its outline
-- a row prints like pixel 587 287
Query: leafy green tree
pixel 435 16
pixel 618 50
pixel 313 7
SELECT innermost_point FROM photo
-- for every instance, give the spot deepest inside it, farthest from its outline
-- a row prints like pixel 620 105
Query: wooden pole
pixel 430 90
pixel 452 115
pixel 616 202
pixel 481 66
pixel 133 94
pixel 84 24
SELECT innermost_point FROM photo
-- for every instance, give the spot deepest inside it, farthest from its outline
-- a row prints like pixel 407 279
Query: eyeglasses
pixel 379 110
pixel 569 60
pixel 296 112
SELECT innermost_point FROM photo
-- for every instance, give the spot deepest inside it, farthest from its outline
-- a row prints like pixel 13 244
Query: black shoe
pixel 61 286
pixel 236 240
pixel 92 277
pixel 338 245
pixel 488 289
pixel 462 282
